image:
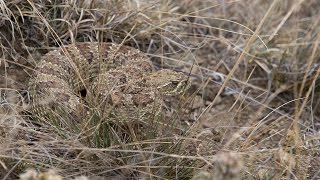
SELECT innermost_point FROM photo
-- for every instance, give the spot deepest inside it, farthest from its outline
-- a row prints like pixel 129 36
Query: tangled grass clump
pixel 254 67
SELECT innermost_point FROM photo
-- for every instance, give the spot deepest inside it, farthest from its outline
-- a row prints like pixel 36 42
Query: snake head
pixel 168 82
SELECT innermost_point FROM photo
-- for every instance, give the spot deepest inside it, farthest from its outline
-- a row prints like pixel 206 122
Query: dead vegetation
pixel 251 113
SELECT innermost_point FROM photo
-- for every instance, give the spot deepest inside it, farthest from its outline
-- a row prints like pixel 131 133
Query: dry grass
pixel 254 66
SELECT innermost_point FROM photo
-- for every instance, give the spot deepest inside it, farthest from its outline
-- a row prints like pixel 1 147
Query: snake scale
pixel 114 80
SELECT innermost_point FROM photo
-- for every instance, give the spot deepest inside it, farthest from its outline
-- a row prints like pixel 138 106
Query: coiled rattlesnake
pixel 71 81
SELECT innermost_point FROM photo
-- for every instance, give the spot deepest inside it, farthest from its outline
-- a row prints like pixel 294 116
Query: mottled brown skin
pixel 70 81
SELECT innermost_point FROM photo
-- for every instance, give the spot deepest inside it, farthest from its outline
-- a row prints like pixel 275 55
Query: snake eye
pixel 175 83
